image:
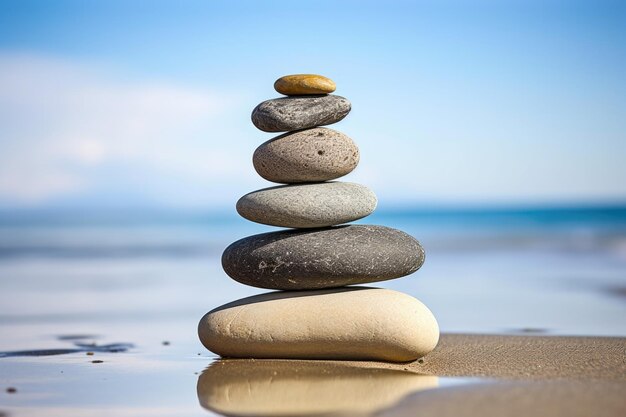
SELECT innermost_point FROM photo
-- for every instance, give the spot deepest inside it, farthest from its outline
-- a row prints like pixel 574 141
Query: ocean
pixel 553 270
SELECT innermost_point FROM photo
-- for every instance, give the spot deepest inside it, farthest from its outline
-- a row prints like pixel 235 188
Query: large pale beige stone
pixel 303 388
pixel 355 323
pixel 308 205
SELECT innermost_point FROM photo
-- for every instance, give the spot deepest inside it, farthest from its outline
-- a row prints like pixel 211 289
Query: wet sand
pixel 536 357
pixel 558 398
pixel 515 376
pixel 544 375
pixel 474 375
pixel 516 357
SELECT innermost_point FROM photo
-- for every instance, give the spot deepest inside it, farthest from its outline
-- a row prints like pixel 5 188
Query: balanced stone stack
pixel 314 315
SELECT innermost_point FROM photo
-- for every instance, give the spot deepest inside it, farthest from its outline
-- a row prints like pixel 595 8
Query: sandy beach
pixel 508 357
pixel 527 357
pixel 525 329
pixel 513 375
pixel 541 398
pixel 531 375
pixel 535 375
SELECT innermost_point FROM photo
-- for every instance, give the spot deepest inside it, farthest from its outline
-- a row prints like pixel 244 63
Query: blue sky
pixel 148 103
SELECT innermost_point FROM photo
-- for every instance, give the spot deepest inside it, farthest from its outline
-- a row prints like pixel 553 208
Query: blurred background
pixel 494 132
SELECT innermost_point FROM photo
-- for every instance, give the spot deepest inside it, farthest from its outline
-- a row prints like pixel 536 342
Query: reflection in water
pixel 80 347
pixel 303 388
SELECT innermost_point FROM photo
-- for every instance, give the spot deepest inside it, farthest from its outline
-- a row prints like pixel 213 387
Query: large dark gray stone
pixel 299 112
pixel 322 258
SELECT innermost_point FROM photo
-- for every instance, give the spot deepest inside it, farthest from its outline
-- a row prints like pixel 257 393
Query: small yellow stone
pixel 302 84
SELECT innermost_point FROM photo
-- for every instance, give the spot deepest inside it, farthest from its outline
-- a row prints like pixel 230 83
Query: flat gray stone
pixel 308 205
pixel 323 258
pixel 310 155
pixel 299 112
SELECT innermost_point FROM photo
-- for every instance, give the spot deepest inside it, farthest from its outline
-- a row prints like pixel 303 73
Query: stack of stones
pixel 315 315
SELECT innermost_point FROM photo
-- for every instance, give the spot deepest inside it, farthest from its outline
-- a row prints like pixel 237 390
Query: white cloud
pixel 61 124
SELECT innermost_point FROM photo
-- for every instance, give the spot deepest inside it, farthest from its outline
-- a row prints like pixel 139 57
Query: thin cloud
pixel 62 123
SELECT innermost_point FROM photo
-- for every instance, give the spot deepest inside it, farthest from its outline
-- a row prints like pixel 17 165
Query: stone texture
pixel 240 387
pixel 322 258
pixel 308 205
pixel 310 155
pixel 302 84
pixel 344 323
pixel 294 113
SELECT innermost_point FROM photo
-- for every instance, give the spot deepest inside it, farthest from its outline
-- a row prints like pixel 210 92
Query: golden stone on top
pixel 303 84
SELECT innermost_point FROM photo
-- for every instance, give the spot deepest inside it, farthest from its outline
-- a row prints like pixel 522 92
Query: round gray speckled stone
pixel 325 258
pixel 308 205
pixel 310 155
pixel 299 112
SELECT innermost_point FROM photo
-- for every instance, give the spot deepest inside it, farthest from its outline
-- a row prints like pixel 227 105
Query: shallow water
pixel 130 282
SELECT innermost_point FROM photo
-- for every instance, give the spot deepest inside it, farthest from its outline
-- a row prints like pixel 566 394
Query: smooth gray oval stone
pixel 308 205
pixel 310 155
pixel 299 112
pixel 323 258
